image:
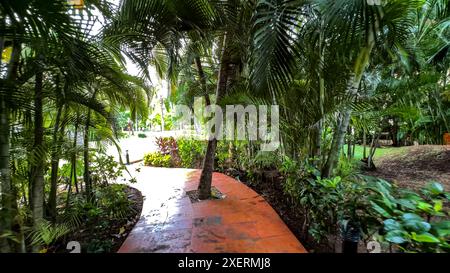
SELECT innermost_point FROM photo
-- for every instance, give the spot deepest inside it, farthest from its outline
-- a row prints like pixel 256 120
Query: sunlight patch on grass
pixel 380 153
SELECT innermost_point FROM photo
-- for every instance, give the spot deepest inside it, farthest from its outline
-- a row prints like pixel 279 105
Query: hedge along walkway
pixel 241 222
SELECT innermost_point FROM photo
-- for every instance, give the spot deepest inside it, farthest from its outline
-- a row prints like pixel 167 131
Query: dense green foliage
pixel 401 219
pixel 344 73
pixel 60 93
pixel 191 152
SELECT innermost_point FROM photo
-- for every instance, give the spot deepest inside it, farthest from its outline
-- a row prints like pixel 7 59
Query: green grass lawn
pixel 379 153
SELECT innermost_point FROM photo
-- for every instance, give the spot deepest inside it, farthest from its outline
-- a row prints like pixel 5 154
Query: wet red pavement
pixel 242 222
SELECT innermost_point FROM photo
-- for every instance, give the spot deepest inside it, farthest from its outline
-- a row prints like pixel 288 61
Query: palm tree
pixel 139 36
pixel 49 50
pixel 21 22
pixel 363 28
pixel 225 21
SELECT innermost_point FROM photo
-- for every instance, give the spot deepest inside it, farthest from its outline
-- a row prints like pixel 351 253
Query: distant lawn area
pixel 379 153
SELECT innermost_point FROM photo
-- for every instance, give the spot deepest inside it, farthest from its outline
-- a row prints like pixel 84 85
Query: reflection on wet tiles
pixel 170 223
pixel 207 221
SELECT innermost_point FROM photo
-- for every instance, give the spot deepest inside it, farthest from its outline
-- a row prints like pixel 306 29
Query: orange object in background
pixel 78 4
pixel 447 139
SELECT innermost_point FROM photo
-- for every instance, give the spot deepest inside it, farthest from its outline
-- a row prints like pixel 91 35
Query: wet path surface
pixel 242 222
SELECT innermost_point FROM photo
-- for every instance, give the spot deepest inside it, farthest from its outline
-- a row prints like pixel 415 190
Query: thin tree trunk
pixel 204 187
pixel 74 158
pixel 373 148
pixel 162 115
pixel 353 149
pixel 439 106
pixel 364 144
pixel 338 141
pixel 394 133
pixel 444 87
pixel 336 145
pixel 73 169
pixel 54 167
pixel 361 63
pixel 349 143
pixel 5 216
pixel 318 142
pixel 201 75
pixel 86 175
pixel 6 213
pixel 19 246
pixel 38 169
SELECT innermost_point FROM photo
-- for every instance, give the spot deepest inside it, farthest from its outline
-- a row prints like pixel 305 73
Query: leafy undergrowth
pixel 415 166
pixel 103 231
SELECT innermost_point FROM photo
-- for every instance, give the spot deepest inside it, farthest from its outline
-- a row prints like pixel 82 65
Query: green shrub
pixel 223 155
pixel 347 167
pixel 191 152
pixel 266 160
pixel 46 234
pixel 411 221
pixel 113 201
pixel 105 169
pixel 405 220
pixel 319 200
pixel 142 135
pixel 110 202
pixel 157 159
pixel 232 154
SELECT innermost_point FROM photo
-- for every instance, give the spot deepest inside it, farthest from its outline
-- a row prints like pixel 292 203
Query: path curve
pixel 242 222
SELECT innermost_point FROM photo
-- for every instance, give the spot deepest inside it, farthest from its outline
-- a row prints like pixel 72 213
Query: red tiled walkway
pixel 241 222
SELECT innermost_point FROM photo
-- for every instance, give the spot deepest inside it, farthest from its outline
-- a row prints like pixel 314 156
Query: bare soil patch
pixel 415 167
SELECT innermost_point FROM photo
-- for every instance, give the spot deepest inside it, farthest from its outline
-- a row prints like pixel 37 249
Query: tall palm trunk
pixel 163 125
pixel 6 213
pixel 86 175
pixel 38 169
pixel 338 141
pixel 54 166
pixel 318 142
pixel 70 181
pixel 5 182
pixel 74 158
pixel 373 148
pixel 202 76
pixel 73 169
pixel 349 142
pixel 364 144
pixel 339 137
pixel 204 187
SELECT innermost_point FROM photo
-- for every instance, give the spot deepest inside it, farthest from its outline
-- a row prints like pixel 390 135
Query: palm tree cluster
pixel 341 71
pixel 61 88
